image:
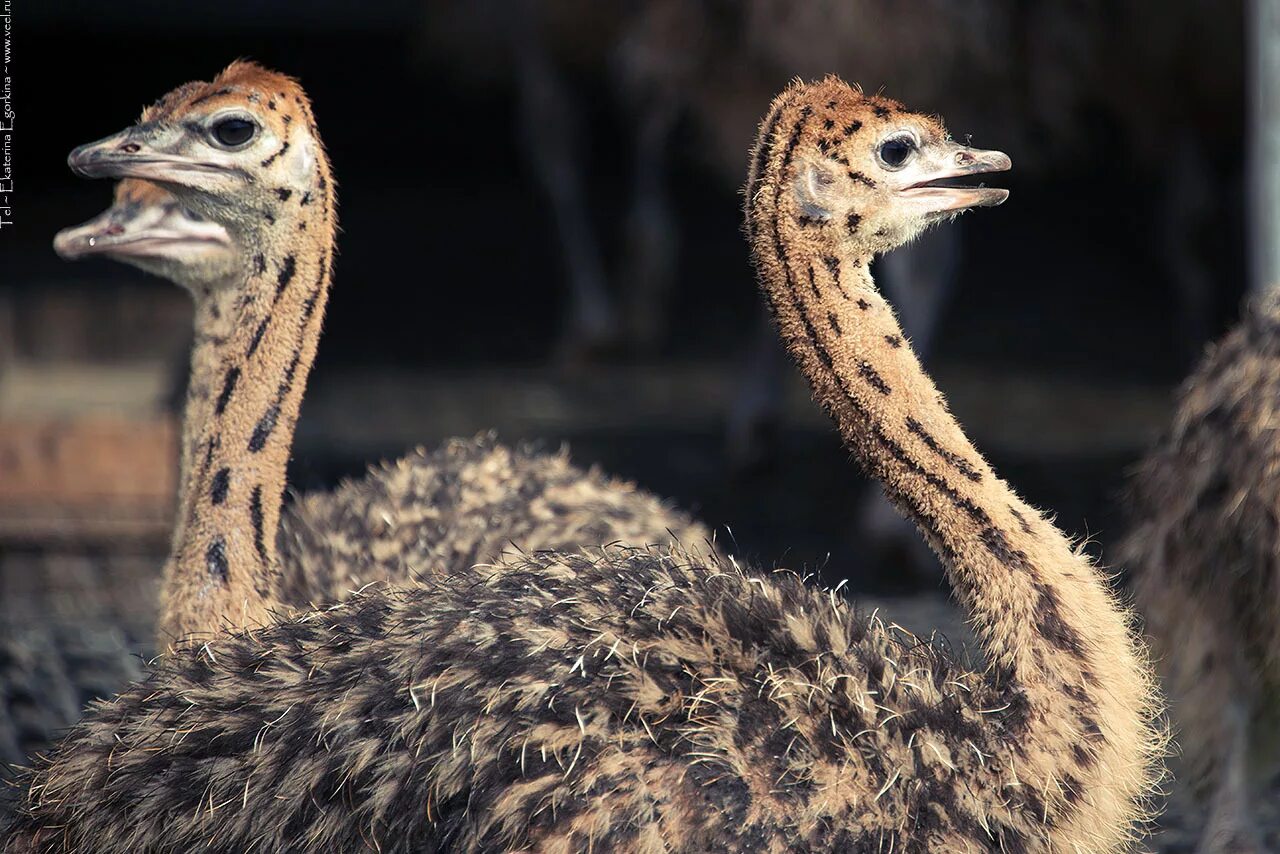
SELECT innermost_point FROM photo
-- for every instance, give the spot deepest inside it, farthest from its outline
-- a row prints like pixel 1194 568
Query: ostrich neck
pixel 1012 571
pixel 1059 652
pixel 214 321
pixel 253 353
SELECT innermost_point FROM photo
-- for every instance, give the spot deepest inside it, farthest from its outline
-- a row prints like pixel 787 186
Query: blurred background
pixel 540 216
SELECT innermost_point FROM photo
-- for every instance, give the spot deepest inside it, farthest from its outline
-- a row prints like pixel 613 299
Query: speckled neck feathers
pixel 1075 684
pixel 249 373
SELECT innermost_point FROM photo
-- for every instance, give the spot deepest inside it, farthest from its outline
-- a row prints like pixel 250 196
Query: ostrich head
pixel 864 164
pixel 150 229
pixel 233 150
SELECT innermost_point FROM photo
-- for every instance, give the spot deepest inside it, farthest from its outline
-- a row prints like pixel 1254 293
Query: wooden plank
pixel 32 388
pixel 91 475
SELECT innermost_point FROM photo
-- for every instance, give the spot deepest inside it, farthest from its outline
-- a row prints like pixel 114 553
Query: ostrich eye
pixel 896 151
pixel 233 132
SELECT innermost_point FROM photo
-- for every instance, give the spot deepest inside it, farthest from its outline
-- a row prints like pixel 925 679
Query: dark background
pixel 451 274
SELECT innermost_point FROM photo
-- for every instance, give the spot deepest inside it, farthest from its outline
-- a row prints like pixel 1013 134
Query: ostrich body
pixel 653 701
pixel 1203 552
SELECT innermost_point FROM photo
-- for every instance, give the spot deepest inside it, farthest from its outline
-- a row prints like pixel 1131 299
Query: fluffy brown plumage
pixel 429 513
pixel 1204 549
pixel 464 504
pixel 625 702
pixel 652 701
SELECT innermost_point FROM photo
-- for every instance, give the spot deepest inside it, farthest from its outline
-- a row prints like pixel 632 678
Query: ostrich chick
pixel 1204 547
pixel 645 701
pixel 428 512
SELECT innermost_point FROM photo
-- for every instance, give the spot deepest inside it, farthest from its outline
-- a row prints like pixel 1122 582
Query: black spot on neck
pixel 306 199
pixel 852 128
pixel 958 462
pixel 257 336
pixel 309 307
pixel 834 324
pixel 289 372
pixel 255 519
pixel 215 560
pixel 228 388
pixel 1022 520
pixel 873 379
pixel 221 483
pixel 852 222
pixel 214 444
pixel 828 124
pixel 881 111
pixel 283 193
pixel 271 105
pixel 1053 628
pixel 863 304
pixel 262 430
pixel 287 269
pixel 259 264
pixel 893 341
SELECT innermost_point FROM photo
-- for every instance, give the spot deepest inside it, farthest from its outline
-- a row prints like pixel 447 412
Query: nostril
pixel 113 229
pixel 131 148
pixel 963 158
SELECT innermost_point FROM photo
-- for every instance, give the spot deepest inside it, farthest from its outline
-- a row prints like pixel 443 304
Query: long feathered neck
pixel 1075 686
pixel 214 321
pixel 250 369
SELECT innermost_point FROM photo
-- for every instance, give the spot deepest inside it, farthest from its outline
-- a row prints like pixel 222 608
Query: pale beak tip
pixel 64 243
pixel 80 160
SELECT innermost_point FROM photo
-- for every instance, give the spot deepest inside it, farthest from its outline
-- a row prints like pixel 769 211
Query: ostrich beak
pixel 129 154
pixel 936 187
pixel 130 232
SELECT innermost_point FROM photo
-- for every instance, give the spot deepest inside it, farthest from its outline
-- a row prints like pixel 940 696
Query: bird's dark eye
pixel 233 132
pixel 896 151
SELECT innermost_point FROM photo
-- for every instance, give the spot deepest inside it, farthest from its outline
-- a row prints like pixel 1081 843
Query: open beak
pixel 946 189
pixel 164 236
pixel 128 155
